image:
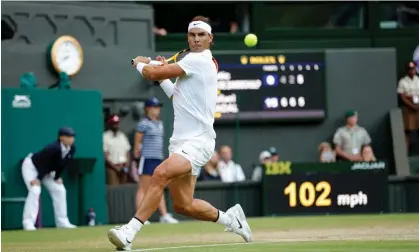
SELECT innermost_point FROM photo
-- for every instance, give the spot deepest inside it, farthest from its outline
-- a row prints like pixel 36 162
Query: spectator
pixel 274 154
pixel 264 157
pixel 117 153
pixel 47 165
pixel 368 154
pixel 327 155
pixel 148 145
pixel 350 138
pixel 210 171
pixel 408 90
pixel 229 171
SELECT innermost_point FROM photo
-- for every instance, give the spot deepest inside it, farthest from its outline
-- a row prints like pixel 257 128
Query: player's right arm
pixel 156 73
pixel 186 66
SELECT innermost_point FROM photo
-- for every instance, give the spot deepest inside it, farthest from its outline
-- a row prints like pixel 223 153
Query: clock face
pixel 67 55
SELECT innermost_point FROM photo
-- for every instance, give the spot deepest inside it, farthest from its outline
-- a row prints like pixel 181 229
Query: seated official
pixel 46 166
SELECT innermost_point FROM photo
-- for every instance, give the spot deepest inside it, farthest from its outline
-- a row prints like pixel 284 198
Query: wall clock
pixel 66 55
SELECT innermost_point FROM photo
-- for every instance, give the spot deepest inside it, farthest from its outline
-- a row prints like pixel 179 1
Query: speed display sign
pixel 303 188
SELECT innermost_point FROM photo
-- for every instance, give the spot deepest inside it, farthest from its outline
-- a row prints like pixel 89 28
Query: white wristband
pixel 140 67
pixel 168 87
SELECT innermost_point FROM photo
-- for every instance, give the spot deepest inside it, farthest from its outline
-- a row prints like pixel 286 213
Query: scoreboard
pixel 275 86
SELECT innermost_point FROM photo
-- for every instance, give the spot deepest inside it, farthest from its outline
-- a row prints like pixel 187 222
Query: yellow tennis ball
pixel 250 40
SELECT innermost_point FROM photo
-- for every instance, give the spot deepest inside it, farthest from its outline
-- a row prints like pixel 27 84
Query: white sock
pixel 135 224
pixel 223 219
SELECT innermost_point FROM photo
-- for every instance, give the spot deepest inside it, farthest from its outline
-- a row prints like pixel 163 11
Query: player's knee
pixel 35 190
pixel 160 176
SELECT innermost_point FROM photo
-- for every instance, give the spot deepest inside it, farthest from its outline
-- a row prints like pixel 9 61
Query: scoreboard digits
pixel 271 86
pixel 271 102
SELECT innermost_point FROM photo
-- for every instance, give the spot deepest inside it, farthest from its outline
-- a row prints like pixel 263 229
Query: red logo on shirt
pixel 215 62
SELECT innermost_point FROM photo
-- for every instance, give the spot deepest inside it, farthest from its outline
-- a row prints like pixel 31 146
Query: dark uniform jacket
pixel 50 159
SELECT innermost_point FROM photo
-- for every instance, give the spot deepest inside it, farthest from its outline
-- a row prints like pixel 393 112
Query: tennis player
pixel 193 140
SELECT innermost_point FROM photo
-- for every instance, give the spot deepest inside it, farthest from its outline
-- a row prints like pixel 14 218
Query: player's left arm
pixel 189 65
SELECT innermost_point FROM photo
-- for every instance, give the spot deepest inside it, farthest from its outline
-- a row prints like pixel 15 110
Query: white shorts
pixel 197 150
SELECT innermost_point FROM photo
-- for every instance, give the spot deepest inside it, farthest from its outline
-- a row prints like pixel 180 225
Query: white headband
pixel 200 24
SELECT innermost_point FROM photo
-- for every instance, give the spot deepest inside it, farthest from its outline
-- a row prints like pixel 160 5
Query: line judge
pixel 47 165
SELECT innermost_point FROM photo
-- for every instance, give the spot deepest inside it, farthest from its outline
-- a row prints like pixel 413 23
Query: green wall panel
pixel 26 130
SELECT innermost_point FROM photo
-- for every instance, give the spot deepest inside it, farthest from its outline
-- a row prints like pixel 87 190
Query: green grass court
pixel 357 233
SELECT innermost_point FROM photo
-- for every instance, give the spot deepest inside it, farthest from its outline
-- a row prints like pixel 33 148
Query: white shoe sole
pixel 128 248
pixel 115 240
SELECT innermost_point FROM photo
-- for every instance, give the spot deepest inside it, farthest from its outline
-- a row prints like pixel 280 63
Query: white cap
pixel 264 154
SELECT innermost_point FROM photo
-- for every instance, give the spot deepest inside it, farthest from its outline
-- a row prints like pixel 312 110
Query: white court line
pixel 204 245
pixel 336 238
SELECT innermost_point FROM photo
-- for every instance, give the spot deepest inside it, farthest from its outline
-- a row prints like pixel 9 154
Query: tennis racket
pixel 173 58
